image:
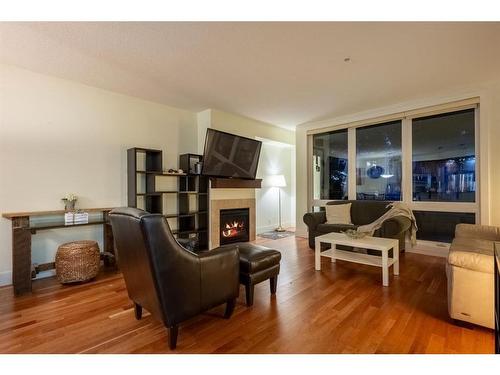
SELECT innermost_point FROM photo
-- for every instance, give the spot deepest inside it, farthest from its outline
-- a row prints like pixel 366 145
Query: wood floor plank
pixel 342 309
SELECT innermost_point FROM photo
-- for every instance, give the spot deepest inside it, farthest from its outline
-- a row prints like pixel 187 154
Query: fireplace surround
pixel 218 205
pixel 234 225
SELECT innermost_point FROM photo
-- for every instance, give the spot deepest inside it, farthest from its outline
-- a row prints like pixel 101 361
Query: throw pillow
pixel 338 213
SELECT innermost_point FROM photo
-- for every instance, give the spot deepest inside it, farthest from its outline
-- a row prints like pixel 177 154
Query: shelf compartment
pixel 61 224
pixel 153 204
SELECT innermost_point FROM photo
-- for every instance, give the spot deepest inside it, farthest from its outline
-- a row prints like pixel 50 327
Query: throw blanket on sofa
pixel 397 209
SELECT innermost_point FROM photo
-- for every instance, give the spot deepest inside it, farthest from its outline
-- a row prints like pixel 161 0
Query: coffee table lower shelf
pixel 384 245
pixel 349 256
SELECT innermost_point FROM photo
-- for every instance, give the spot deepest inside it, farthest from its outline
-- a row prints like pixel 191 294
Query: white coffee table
pixel 373 243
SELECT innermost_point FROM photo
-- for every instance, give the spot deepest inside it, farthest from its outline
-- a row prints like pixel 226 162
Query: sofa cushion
pixel 472 254
pixel 328 228
pixel 338 214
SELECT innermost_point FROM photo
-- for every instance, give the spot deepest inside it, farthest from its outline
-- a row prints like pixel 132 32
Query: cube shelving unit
pixel 182 198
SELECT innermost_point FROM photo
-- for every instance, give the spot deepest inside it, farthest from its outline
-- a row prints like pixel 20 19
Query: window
pixel 444 159
pixel 378 162
pixel 433 169
pixel 330 176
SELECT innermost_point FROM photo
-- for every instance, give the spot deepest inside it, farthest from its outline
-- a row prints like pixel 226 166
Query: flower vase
pixel 69 205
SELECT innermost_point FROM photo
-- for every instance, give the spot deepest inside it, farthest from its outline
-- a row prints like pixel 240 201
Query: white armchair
pixel 469 270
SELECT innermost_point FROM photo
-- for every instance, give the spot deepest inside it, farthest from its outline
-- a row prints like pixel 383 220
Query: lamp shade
pixel 277 180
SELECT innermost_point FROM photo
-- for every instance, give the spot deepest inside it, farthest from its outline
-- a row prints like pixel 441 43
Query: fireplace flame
pixel 232 229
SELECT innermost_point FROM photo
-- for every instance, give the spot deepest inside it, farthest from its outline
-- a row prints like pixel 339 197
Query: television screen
pixel 229 155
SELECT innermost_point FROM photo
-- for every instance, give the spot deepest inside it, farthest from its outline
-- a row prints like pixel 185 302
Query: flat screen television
pixel 230 155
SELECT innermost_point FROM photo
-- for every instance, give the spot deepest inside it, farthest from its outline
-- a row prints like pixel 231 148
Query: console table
pixel 22 230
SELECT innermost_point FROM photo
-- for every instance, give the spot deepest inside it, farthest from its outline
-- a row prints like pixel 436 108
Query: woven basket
pixel 77 261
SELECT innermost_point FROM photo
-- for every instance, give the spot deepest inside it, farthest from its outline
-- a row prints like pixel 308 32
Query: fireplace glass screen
pixel 234 226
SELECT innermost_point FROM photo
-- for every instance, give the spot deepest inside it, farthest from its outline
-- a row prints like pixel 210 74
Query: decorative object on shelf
pixel 69 202
pixel 354 234
pixel 175 171
pixel 76 217
pixel 278 181
pixel 197 167
pixel 375 171
pixel 69 218
pixel 191 163
pixel 81 217
pixel 77 261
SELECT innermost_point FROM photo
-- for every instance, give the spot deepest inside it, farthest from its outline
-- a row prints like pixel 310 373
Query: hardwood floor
pixel 342 309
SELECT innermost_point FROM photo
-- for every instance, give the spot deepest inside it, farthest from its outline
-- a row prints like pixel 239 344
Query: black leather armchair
pixel 172 283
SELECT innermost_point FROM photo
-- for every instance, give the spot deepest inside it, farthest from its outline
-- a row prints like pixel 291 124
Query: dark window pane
pixel 444 161
pixel 378 162
pixel 330 165
pixel 440 226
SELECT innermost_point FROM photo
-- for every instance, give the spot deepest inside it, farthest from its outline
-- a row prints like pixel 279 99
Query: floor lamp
pixel 278 181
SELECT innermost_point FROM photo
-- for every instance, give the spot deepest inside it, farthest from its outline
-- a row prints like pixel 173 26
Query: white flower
pixel 70 197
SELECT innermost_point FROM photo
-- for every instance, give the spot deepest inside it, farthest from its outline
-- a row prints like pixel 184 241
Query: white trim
pixel 482 174
pixel 301 233
pixel 444 108
pixel 45 274
pixel 389 113
pixel 351 163
pixel 310 178
pixel 443 206
pixel 358 124
pixel 477 154
pixel 406 162
pixel 5 278
pixel 274 143
pixel 320 202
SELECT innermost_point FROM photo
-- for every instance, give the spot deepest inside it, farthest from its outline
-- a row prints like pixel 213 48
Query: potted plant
pixel 69 202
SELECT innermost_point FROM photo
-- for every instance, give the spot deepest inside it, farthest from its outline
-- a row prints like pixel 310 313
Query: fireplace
pixel 234 226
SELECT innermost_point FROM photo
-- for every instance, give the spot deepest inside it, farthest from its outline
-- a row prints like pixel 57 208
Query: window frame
pixel 406 119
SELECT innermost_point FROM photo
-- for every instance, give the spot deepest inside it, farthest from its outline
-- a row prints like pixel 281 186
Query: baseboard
pixel 436 249
pixel 5 278
pixel 301 233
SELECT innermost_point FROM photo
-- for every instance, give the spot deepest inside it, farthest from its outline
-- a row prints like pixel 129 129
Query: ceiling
pixel 283 73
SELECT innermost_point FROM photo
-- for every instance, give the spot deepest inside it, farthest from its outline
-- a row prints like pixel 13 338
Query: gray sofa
pixel 362 213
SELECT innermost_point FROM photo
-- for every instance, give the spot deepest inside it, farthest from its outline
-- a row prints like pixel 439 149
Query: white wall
pixel 489 133
pixel 275 159
pixel 58 136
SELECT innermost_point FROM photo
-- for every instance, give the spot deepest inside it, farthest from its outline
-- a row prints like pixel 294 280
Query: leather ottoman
pixel 257 263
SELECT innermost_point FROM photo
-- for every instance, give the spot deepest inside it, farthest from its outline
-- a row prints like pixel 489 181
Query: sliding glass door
pixel 426 161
